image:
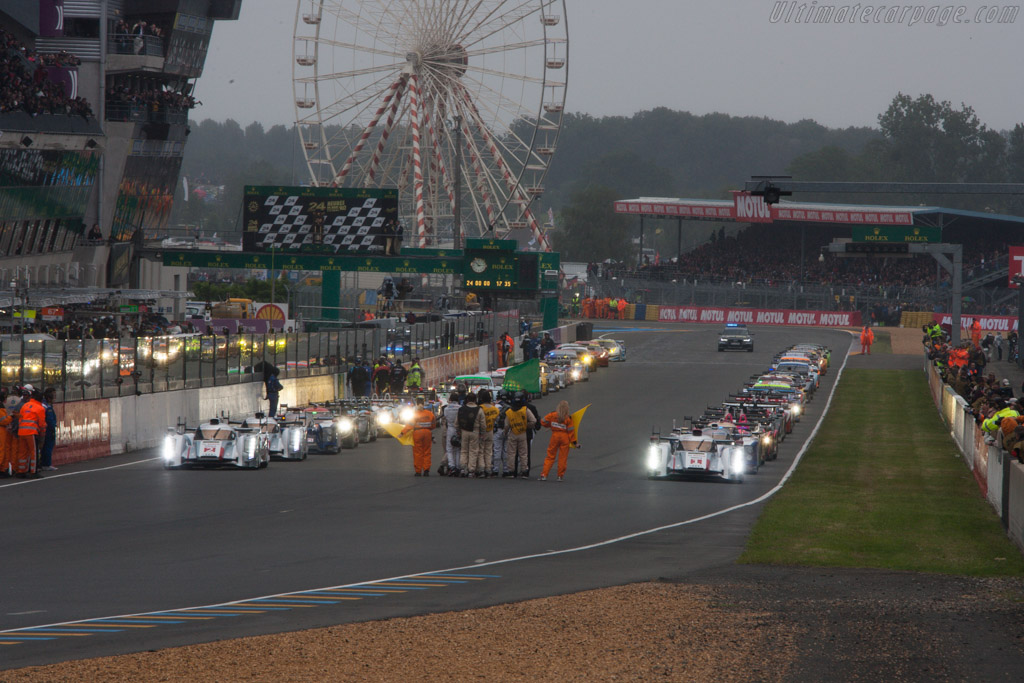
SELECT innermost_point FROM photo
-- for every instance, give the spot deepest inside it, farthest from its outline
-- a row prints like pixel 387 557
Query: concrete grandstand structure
pixel 103 150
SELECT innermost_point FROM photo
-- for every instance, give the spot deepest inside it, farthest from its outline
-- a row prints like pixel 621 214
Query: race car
pixel 287 436
pixel 328 433
pixel 583 354
pixel 599 352
pixel 569 362
pixel 216 443
pixel 687 453
pixel 735 336
pixel 616 349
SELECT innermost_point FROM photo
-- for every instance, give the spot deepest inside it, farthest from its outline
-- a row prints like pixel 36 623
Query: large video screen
pixel 145 196
pixel 45 183
pixel 317 219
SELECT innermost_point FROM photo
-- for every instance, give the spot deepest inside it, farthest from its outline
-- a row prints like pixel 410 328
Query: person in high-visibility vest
pixel 976 333
pixel 31 422
pixel 422 426
pixel 560 424
pixel 867 338
pixel 622 308
pixel 518 423
pixel 7 441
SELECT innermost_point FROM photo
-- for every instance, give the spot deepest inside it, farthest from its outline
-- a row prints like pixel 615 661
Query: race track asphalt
pixel 122 536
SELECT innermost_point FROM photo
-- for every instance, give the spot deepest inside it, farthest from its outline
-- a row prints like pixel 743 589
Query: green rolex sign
pixel 896 234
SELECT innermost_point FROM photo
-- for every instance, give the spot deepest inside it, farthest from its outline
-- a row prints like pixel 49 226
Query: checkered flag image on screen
pixel 335 220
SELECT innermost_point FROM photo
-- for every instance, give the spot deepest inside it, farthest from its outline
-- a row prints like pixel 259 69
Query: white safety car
pixel 216 443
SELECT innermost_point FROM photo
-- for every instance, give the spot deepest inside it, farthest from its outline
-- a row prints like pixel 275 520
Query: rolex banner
pixel 523 377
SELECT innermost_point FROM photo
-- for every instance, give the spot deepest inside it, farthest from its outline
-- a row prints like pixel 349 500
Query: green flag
pixel 523 377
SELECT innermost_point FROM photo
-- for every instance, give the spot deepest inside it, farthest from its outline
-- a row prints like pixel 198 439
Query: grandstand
pixel 94 106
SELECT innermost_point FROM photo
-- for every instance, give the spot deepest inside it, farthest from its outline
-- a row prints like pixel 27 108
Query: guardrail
pixel 109 368
pixel 142 113
pixel 999 476
pixel 130 44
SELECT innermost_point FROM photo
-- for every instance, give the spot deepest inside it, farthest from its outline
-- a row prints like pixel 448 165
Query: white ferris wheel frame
pixel 414 123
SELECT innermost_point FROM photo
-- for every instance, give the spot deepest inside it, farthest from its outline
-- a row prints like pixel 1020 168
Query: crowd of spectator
pixel 26 86
pixel 86 326
pixel 153 97
pixel 993 404
pixel 130 37
pixel 770 255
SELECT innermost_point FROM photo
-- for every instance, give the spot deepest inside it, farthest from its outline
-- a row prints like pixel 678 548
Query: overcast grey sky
pixel 739 57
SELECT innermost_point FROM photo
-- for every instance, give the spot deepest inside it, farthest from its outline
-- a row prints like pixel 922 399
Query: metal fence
pixel 107 368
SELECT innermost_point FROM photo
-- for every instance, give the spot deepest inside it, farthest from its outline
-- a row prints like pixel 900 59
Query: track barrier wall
pixel 87 430
pixel 758 316
pixel 1000 477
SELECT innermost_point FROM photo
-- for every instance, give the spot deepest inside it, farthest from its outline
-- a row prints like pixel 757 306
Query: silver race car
pixel 287 436
pixel 216 443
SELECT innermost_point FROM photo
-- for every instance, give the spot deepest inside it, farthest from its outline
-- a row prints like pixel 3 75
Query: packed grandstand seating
pixel 765 254
pixel 153 98
pixel 25 86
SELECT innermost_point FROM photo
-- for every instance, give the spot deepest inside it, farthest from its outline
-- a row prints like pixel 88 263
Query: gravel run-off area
pixel 741 623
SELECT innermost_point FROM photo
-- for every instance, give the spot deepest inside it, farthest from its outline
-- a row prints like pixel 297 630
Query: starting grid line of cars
pixel 734 439
pixel 253 441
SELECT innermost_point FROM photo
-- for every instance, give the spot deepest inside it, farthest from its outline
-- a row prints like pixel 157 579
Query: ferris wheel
pixel 456 103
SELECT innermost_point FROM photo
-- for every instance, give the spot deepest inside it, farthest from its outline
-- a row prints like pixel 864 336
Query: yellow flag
pixel 577 418
pixel 395 430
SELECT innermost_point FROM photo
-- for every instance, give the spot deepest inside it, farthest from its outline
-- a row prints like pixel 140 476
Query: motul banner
pixel 751 209
pixel 1016 265
pixel 759 316
pixel 989 323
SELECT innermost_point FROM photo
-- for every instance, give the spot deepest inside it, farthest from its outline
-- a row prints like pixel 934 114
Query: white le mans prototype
pixel 216 443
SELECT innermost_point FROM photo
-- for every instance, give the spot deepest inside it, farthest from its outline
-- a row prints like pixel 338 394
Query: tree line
pixel 665 153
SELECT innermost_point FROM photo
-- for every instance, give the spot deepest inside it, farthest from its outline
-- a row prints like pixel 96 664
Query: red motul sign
pixel 751 209
pixel 759 316
pixel 989 323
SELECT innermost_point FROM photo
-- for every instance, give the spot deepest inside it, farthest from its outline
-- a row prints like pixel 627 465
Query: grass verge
pixel 883 486
pixel 882 343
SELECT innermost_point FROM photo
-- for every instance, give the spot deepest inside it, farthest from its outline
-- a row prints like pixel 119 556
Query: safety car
pixel 216 443
pixel 735 336
pixel 569 362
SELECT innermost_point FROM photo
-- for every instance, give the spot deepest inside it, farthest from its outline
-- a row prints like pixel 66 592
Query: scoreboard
pixel 332 220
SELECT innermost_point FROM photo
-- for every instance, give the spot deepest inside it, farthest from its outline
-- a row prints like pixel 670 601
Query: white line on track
pixel 522 558
pixel 51 477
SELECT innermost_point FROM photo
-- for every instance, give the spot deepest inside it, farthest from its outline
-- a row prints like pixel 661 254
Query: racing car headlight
pixel 737 460
pixel 587 358
pixel 795 408
pixel 407 414
pixel 722 339
pixel 250 448
pixel 169 448
pixel 345 424
pixel 653 457
pixel 383 418
pixel 296 440
pixel 575 374
pixel 766 439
